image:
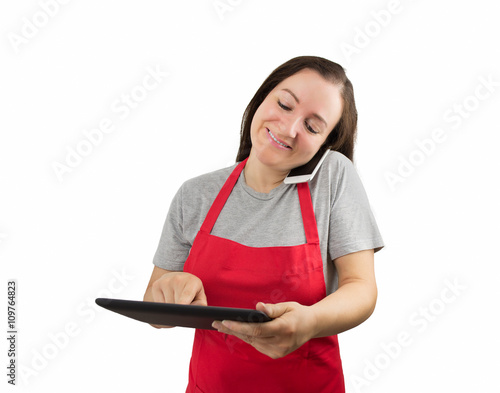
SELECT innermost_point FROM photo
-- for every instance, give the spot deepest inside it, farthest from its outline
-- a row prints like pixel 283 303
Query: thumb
pixel 272 310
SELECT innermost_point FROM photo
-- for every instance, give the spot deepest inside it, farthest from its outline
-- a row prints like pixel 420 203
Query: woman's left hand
pixel 292 325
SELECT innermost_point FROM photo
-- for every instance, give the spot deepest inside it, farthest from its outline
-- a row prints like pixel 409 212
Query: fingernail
pixel 226 324
pixel 216 325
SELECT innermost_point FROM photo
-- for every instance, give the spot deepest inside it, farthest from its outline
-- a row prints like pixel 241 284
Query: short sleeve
pixel 352 223
pixel 173 248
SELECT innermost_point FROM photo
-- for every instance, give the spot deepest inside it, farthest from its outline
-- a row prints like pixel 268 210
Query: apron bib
pixel 234 275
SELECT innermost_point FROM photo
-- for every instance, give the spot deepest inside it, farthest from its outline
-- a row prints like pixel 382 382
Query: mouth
pixel 277 141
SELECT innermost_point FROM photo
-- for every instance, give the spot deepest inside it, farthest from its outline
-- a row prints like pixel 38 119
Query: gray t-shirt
pixel 345 221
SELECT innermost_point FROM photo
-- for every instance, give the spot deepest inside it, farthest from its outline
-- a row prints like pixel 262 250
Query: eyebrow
pixel 298 102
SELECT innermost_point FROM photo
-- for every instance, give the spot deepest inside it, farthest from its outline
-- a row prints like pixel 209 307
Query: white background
pixel 414 69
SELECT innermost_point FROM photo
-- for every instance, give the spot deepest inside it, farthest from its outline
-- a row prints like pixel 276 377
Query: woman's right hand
pixel 179 288
pixel 174 287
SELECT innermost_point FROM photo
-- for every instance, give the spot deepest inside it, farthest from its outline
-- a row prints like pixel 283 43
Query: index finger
pixel 253 329
pixel 187 294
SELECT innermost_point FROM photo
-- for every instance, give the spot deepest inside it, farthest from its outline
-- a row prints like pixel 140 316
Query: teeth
pixel 277 141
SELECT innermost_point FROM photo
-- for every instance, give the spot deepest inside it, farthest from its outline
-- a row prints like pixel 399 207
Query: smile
pixel 276 140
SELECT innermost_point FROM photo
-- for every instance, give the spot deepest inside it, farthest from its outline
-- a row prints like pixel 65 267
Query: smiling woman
pixel 302 253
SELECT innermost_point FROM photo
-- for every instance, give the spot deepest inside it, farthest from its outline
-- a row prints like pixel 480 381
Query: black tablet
pixel 199 317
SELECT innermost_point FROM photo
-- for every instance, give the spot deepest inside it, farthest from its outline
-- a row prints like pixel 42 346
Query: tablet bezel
pixel 169 314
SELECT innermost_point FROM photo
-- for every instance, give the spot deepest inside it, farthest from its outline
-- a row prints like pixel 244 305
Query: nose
pixel 290 127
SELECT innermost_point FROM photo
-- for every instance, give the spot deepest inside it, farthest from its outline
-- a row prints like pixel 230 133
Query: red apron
pixel 235 275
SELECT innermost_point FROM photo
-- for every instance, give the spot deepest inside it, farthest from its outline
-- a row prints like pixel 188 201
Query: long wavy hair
pixel 343 135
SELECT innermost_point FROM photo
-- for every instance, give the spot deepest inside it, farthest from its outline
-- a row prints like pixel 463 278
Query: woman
pixel 301 253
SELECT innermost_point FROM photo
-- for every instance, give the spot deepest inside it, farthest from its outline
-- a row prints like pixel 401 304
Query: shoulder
pixel 206 184
pixel 333 168
pixel 336 159
pixel 336 174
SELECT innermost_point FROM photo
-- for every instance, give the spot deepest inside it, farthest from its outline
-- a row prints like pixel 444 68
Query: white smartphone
pixel 307 171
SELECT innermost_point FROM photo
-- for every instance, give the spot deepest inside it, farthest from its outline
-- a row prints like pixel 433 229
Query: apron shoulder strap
pixel 306 207
pixel 221 198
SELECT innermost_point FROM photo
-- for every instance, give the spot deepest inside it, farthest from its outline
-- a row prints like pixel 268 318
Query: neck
pixel 260 177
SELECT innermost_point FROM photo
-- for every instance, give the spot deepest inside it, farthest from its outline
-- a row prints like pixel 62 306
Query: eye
pixel 283 106
pixel 312 130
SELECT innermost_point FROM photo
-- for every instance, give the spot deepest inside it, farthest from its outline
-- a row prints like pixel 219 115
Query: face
pixel 294 120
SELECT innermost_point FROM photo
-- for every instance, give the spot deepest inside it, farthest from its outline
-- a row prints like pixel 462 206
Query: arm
pixel 354 300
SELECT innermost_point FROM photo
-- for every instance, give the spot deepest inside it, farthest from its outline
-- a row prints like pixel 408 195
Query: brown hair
pixel 343 135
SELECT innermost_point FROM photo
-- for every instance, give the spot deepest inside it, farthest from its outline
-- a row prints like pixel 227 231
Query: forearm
pixel 350 305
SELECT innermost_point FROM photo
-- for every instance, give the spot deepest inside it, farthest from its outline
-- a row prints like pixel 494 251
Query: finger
pixel 269 329
pixel 192 290
pixel 244 330
pixel 273 310
pixel 161 326
pixel 265 345
pixel 224 329
pixel 168 293
pixel 200 299
pixel 185 294
pixel 157 293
